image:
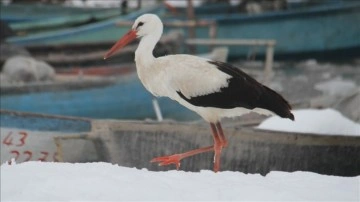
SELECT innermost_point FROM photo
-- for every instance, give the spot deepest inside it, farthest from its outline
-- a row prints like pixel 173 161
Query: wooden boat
pixel 60 22
pixel 36 12
pixel 94 32
pixel 27 136
pixel 33 138
pixel 118 96
pixel 90 54
pixel 314 31
pixel 302 30
pixel 111 91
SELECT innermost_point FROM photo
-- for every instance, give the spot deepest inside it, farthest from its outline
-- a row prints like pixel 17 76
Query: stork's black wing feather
pixel 242 91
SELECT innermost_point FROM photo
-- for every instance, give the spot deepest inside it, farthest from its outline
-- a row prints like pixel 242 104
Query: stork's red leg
pixel 219 143
pixel 224 142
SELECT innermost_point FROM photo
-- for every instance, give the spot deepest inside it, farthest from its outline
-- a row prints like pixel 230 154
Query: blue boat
pixel 33 12
pixel 331 27
pixel 95 32
pixel 326 27
pixel 122 98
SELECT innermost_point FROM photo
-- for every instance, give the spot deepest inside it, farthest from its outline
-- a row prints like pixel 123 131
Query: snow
pixel 318 121
pixel 336 87
pixel 40 181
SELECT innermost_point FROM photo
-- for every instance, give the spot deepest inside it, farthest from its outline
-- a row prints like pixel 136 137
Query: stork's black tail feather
pixel 274 102
pixel 242 91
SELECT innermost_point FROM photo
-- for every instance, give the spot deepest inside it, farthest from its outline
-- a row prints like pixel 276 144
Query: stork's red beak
pixel 126 39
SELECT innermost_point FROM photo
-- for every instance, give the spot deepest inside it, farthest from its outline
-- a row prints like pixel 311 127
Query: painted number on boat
pixel 20 138
pixel 24 145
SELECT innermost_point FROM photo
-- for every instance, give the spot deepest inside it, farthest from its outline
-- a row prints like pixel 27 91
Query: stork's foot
pixel 220 142
pixel 176 158
pixel 167 160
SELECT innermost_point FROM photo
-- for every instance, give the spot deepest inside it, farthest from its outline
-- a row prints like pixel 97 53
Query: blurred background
pixel 51 52
pixel 51 60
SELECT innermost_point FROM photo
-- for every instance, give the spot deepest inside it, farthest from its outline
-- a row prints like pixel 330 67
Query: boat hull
pixel 313 30
pixel 135 143
pixel 125 98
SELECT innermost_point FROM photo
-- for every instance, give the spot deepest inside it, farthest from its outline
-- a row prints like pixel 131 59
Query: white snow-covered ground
pixel 38 181
pixel 318 121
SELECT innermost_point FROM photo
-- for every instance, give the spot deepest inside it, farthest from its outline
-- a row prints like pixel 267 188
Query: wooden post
pixel 138 4
pixel 268 70
pixel 191 30
pixel 157 109
pixel 212 32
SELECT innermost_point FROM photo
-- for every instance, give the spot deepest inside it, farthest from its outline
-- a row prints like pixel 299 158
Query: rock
pixel 44 71
pixel 27 69
pixel 350 105
pixel 3 79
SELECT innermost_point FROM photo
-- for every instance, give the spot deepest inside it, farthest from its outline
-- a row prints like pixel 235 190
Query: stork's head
pixel 145 25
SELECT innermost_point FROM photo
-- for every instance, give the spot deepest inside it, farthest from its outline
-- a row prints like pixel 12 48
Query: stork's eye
pixel 139 24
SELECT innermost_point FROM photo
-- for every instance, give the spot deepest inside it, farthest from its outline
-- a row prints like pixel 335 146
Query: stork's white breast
pixel 192 76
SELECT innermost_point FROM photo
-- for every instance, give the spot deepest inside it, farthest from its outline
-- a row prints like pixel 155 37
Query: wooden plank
pixel 78 84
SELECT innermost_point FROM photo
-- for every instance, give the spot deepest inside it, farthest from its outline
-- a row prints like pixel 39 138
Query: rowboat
pixel 94 32
pixel 27 136
pixel 115 92
pixel 114 89
pixel 35 12
pixel 60 22
pixel 90 54
pixel 315 30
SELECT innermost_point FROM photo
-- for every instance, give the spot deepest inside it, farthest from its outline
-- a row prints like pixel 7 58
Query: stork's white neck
pixel 144 53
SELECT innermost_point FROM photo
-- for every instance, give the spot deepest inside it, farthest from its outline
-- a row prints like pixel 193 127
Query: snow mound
pixel 39 181
pixel 336 87
pixel 27 69
pixel 326 121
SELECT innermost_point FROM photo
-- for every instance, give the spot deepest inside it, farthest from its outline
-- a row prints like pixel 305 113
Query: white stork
pixel 210 88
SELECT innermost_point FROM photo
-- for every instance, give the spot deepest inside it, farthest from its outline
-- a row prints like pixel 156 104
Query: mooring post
pixel 268 70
